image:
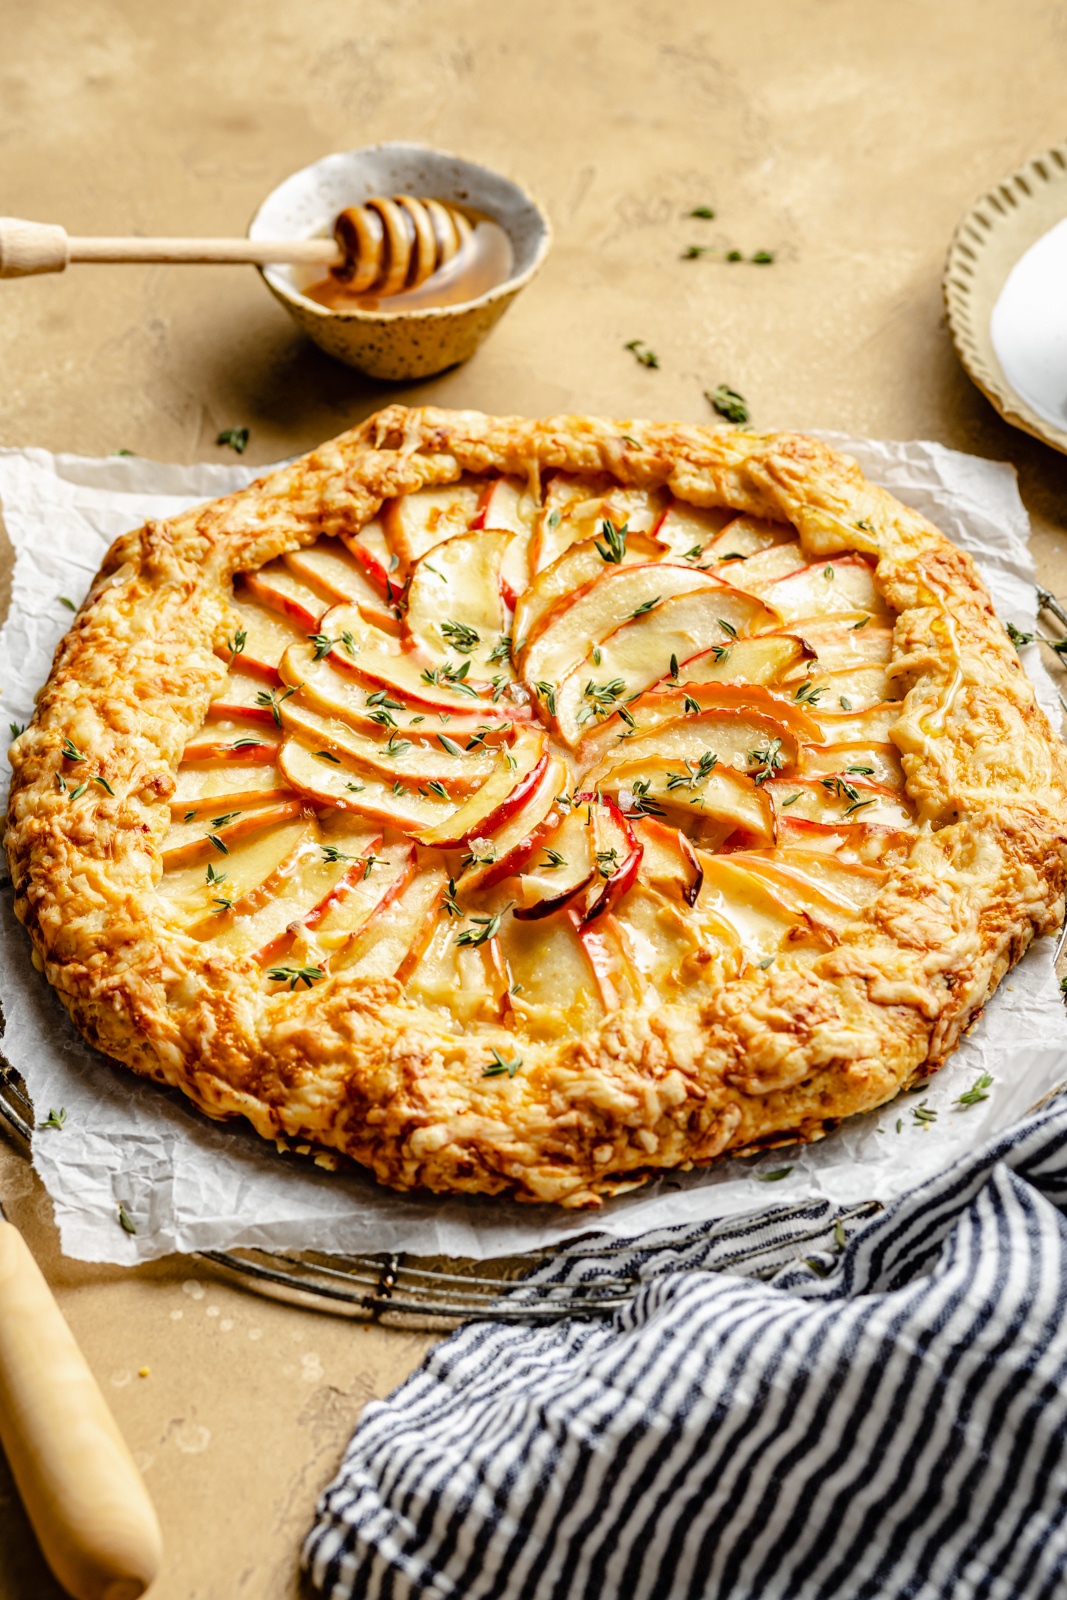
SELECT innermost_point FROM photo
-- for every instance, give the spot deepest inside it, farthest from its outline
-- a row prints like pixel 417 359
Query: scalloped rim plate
pixel 990 239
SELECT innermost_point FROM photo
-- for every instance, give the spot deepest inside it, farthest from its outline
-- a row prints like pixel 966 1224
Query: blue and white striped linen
pixel 885 1420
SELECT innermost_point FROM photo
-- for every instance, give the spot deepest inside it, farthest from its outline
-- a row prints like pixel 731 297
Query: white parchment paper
pixel 190 1184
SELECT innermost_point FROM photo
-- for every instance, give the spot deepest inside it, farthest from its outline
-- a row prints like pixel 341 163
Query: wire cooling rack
pixel 429 1291
pixel 404 1290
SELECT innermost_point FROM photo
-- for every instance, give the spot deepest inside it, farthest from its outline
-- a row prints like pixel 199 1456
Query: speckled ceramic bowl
pixel 398 344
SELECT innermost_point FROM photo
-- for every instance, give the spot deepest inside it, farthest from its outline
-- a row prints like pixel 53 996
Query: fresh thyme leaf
pixel 380 698
pixel 774 1177
pixel 808 693
pixel 450 745
pixel 236 438
pixel 213 878
pixel 635 444
pixel 55 1119
pixel 547 693
pixel 553 859
pixel 16 729
pixel 858 805
pixel 614 547
pixel 65 602
pixel 482 930
pixel 733 555
pixel 692 251
pixel 642 353
pixel 272 700
pixel 214 839
pixel 866 524
pixel 900 1124
pixel 223 901
pixel 695 772
pixel 727 402
pixel 104 785
pixel 721 652
pixel 767 760
pixel 218 822
pixel 383 718
pixel 501 651
pixel 1017 637
pixel 674 669
pixel 828 572
pixel 398 787
pixel 331 854
pixel 603 696
pixel 247 744
pixel 694 554
pixel 763 258
pixel 595 653
pixel 294 975
pixel 839 1234
pixel 646 607
pixel 861 772
pixel 323 644
pixel 451 904
pixel 76 794
pixel 371 862
pixel 924 1115
pixel 61 785
pixel 607 862
pixel 482 853
pixel 690 706
pixel 126 1222
pixel 460 636
pixel 641 805
pixel 767 961
pixel 71 751
pixel 437 787
pixel 844 702
pixel 734 255
pixel 704 212
pixel 976 1092
pixel 237 643
pixel 355 788
pixel 820 1269
pixel 727 627
pixel 396 747
pixel 502 1064
pixel 862 623
pixel 554 518
pixel 328 755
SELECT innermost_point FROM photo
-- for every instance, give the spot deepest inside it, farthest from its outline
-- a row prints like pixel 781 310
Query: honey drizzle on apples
pixel 389 785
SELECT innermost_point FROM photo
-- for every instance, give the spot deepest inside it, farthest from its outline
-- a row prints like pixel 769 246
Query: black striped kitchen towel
pixel 882 1420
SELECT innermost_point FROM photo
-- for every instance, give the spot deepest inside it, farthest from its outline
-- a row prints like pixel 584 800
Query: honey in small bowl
pixel 485 258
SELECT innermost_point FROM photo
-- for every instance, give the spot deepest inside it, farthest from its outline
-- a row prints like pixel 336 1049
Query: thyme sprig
pixel 272 700
pixel 614 547
pixel 295 975
pixel 501 1065
pixel 728 403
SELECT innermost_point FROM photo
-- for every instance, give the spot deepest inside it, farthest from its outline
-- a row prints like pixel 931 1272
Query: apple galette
pixel 533 806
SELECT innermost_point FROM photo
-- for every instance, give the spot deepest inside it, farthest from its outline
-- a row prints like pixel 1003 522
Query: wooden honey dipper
pixel 382 246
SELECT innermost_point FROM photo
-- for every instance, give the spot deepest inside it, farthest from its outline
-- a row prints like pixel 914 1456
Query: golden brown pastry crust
pixel 774 1056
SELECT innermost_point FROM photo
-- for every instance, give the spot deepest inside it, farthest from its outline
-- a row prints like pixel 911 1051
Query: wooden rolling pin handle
pixel 28 247
pixel 83 1494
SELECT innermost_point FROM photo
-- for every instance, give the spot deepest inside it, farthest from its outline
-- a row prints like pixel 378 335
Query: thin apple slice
pixel 854 841
pixel 410 676
pixel 609 954
pixel 569 512
pixel 637 655
pixel 565 633
pixel 204 885
pixel 275 587
pixel 454 601
pixel 507 506
pixel 239 702
pixel 755 572
pixel 245 749
pixel 844 585
pixel 554 990
pixel 767 658
pixel 688 531
pixel 669 863
pixel 852 689
pixel 840 797
pixel 763 917
pixel 695 744
pixel 410 761
pixel 747 536
pixel 871 726
pixel 721 795
pixel 571 572
pixel 200 789
pixel 518 772
pixel 415 523
pixel 674 950
pixel 562 869
pixel 371 550
pixel 375 713
pixel 514 842
pixel 855 639
pixel 266 636
pixel 349 789
pixel 208 838
pixel 878 763
pixel 330 572
pixel 384 944
pixel 830 889
pixel 369 881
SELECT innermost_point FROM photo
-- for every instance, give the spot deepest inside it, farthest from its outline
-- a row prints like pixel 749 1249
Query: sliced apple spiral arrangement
pixel 540 758
pixel 529 807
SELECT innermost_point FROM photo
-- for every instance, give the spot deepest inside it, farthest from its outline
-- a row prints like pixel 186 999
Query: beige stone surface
pixel 847 136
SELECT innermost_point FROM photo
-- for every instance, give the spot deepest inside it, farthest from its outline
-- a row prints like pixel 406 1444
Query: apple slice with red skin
pixel 870 726
pixel 340 694
pixel 381 947
pixel 224 787
pixel 724 796
pixel 507 506
pixel 421 763
pixel 881 759
pixel 832 890
pixel 520 836
pixel 748 536
pixel 855 639
pixel 243 751
pixel 863 841
pixel 685 528
pixel 337 578
pixel 578 566
pixel 545 888
pixel 827 801
pixel 379 661
pixel 370 549
pixel 238 702
pixel 851 689
pixel 758 571
pixel 202 900
pixel 275 587
pixel 414 523
pixel 191 850
pixel 348 906
pixel 762 916
pixel 764 659
pixel 267 637
pixel 729 733
pixel 498 799
pixel 349 789
pixel 613 967
pixel 562 639
pixel 669 863
pixel 844 584
pixel 557 526
pixel 458 585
